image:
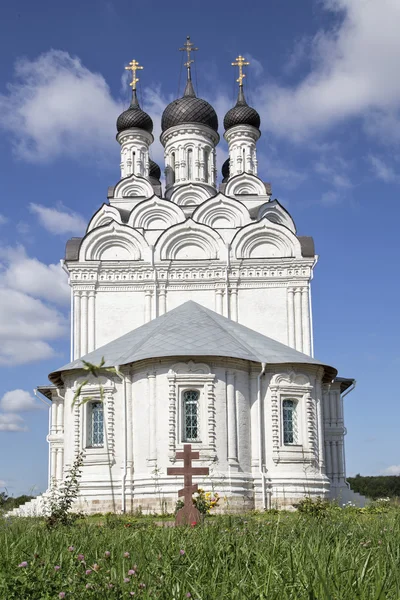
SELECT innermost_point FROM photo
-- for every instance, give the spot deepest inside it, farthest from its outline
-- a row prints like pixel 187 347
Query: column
pixel 328 458
pixel 234 305
pixel 290 305
pixel 197 164
pixel 53 427
pixel 254 425
pixel 60 464
pixel 305 310
pixel 91 322
pixel 162 302
pixel 152 416
pixel 84 323
pixel 60 416
pixel 321 436
pixel 77 324
pixel 297 320
pixel 332 407
pixel 218 301
pixel 147 306
pixel 129 430
pixel 232 429
pixel 341 473
pixel 53 464
pixel 335 468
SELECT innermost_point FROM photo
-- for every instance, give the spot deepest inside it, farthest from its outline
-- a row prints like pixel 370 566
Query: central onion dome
pixel 154 170
pixel 134 117
pixel 189 109
pixel 242 113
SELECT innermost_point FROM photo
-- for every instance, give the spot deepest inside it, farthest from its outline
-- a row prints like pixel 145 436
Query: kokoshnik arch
pixel 199 296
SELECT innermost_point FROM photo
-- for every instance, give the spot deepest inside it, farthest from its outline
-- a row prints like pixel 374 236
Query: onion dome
pixel 189 109
pixel 134 117
pixel 242 113
pixel 225 170
pixel 154 170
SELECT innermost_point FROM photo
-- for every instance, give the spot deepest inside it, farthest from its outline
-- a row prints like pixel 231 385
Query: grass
pixel 340 555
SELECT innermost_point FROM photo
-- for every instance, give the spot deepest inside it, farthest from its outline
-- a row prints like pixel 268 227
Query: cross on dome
pixel 240 62
pixel 134 66
pixel 188 47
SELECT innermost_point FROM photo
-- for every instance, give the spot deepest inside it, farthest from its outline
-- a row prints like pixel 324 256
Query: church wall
pixel 264 310
pixel 118 313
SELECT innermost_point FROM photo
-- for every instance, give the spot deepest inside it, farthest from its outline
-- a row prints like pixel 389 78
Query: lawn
pixel 342 554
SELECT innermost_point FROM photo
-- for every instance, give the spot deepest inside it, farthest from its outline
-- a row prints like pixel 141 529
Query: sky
pixel 324 78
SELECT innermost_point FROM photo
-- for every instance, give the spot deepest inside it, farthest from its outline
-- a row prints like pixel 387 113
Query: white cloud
pixel 17 401
pixel 25 325
pixel 382 170
pixel 12 422
pixel 354 73
pixel 29 275
pixel 56 106
pixel 3 219
pixel 59 221
pixel 392 470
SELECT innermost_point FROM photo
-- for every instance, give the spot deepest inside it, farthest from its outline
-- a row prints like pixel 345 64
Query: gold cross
pixel 188 48
pixel 240 62
pixel 133 66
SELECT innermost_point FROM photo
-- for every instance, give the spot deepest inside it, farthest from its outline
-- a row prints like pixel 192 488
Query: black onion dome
pixel 242 114
pixel 154 170
pixel 189 109
pixel 225 169
pixel 134 117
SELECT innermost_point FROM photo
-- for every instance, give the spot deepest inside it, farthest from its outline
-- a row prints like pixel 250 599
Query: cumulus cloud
pixel 392 470
pixel 56 106
pixel 354 73
pixel 25 274
pixel 59 221
pixel 17 401
pixel 12 422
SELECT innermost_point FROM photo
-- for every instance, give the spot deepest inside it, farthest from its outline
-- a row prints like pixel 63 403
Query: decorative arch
pixel 105 215
pixel 133 186
pixel 113 242
pixel 222 212
pixel 190 367
pixel 189 241
pixel 156 213
pixel 245 184
pixel 189 194
pixel 265 239
pixel 274 212
pixel 290 378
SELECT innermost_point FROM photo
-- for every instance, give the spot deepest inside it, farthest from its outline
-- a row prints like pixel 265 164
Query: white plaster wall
pixel 264 310
pixel 118 313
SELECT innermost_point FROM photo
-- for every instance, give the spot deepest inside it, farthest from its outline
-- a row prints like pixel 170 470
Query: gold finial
pixel 134 66
pixel 240 62
pixel 188 48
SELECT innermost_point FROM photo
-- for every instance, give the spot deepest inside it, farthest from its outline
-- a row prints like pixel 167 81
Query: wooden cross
pixel 134 66
pixel 189 513
pixel 240 62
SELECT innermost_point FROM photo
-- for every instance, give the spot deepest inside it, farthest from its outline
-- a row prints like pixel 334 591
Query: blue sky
pixel 324 77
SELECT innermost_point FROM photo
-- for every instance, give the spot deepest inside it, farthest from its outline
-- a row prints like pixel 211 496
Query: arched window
pixel 96 424
pixel 191 416
pixel 190 164
pixel 206 165
pixel 133 162
pixel 289 419
pixel 172 167
pixel 244 160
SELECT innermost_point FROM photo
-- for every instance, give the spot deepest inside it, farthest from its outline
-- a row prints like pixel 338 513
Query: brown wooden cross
pixel 189 513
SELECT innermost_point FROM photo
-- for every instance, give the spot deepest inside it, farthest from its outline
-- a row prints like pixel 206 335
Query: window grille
pixel 289 422
pixel 96 425
pixel 191 416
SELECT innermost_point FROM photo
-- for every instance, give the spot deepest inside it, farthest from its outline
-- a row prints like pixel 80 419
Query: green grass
pixel 344 555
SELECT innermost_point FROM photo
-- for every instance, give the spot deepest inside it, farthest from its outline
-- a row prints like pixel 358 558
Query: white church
pixel 198 295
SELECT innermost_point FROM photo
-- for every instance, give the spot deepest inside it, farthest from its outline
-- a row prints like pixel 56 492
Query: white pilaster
pixel 290 307
pixel 232 428
pixel 305 306
pixel 84 323
pixel 298 321
pixel 152 417
pixel 77 324
pixel 91 322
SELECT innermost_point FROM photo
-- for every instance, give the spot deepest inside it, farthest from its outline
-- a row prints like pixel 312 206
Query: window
pixel 133 162
pixel 190 164
pixel 206 165
pixel 289 422
pixel 172 167
pixel 244 160
pixel 191 416
pixel 96 425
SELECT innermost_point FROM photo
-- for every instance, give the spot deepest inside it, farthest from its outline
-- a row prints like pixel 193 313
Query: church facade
pixel 197 299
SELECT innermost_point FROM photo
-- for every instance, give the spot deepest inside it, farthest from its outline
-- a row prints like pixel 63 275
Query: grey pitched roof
pixel 193 330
